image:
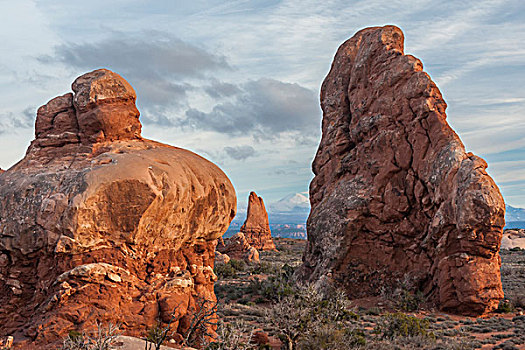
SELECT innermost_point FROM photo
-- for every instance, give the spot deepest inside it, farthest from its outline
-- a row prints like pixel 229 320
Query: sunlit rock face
pixel 99 224
pixel 256 227
pixel 394 192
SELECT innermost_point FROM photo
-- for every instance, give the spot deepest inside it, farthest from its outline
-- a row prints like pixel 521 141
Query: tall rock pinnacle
pixel 394 193
pixel 256 227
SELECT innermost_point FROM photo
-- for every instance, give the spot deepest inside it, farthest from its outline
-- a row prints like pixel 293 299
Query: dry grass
pixel 252 292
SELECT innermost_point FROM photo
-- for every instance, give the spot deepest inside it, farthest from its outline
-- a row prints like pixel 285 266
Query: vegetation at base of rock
pixel 403 294
pixel 230 269
pixel 100 339
pixel 505 307
pixel 197 334
pixel 242 298
pixel 309 316
pixel 393 325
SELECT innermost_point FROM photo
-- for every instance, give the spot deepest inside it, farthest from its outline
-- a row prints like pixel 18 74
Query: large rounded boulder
pixel 98 224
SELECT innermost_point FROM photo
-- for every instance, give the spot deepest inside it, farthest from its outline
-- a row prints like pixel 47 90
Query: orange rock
pixel 99 224
pixel 256 227
pixel 237 247
pixel 394 191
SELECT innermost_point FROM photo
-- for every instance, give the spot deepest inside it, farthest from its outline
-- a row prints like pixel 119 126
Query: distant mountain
pixel 295 202
pixel 514 214
pixel 292 209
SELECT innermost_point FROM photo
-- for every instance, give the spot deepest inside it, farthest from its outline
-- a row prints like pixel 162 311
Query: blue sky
pixel 238 81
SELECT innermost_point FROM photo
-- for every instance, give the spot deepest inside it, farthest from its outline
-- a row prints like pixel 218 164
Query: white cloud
pixel 473 49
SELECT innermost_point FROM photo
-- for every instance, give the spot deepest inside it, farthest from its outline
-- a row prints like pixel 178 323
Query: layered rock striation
pixel 256 227
pixel 394 193
pixel 99 224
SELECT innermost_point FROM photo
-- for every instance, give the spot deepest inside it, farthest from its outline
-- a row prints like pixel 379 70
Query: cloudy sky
pixel 238 81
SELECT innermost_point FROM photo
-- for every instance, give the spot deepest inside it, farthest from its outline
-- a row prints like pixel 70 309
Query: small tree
pixel 202 320
pixel 309 314
pixel 235 335
pixel 204 317
pixel 101 339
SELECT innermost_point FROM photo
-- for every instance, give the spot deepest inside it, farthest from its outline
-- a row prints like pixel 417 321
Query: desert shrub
pixel 224 271
pixel 309 317
pixel 238 265
pixel 264 268
pixel 398 324
pixel 100 339
pixel 203 317
pixel 230 269
pixel 505 307
pixel 234 335
pixel 403 294
pixel 409 301
pixel 274 288
pixel 332 337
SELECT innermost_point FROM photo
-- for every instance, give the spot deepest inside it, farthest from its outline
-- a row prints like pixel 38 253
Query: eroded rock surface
pixel 394 191
pixel 99 224
pixel 256 227
pixel 237 247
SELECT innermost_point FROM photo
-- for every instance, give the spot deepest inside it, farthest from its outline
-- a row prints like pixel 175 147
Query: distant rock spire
pixel 256 228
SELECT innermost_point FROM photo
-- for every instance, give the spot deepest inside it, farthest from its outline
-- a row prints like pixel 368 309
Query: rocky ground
pixel 249 292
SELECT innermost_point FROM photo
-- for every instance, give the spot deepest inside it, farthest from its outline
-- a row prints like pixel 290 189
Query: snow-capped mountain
pixel 295 202
pixel 292 209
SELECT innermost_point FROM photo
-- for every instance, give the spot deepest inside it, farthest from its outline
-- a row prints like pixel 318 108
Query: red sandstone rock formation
pixel 237 247
pixel 394 191
pixel 221 259
pixel 99 224
pixel 256 228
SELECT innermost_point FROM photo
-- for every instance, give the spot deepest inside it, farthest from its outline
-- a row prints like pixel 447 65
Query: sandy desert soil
pixel 246 292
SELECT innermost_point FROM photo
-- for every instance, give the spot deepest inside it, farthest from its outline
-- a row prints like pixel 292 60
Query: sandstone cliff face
pixel 97 223
pixel 256 227
pixel 394 191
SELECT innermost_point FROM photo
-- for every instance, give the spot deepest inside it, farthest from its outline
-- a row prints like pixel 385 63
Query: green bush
pixel 238 265
pixel 332 337
pixel 398 324
pixel 505 307
pixel 230 269
pixel 409 301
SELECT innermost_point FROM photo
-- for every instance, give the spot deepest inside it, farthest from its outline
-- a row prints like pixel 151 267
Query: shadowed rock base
pixel 394 192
